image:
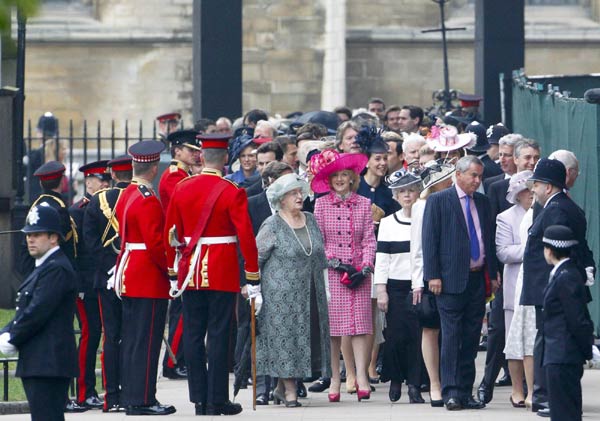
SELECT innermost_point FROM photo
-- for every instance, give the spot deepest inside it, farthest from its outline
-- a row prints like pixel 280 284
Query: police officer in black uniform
pixel 568 330
pixel 88 311
pixel 42 330
pixel 101 240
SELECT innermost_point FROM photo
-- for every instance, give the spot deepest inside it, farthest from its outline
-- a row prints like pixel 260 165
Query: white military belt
pixel 214 240
pixel 135 246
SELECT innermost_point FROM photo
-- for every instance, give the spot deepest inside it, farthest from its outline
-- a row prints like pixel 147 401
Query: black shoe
pixel 93 402
pixel 177 373
pixel 74 407
pixel 414 394
pixel 395 391
pixel 472 403
pixel 425 388
pixel 453 404
pixel 485 394
pixel 483 344
pixel 504 381
pixel 227 408
pixel 535 407
pixel 200 409
pixel 113 408
pixel 156 409
pixel 310 379
pixel 545 413
pixel 271 397
pixel 301 389
pixel 437 403
pixel 373 380
pixel 320 385
pixel 262 400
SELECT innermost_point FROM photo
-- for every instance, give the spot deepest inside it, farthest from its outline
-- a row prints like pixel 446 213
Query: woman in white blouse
pixel 392 281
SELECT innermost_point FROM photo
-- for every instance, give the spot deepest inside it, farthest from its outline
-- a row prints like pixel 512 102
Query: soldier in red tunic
pixel 209 216
pixel 142 283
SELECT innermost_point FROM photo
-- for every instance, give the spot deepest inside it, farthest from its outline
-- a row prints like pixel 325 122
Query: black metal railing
pixel 94 141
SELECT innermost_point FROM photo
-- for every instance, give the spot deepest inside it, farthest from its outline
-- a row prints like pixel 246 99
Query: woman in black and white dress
pixel 392 281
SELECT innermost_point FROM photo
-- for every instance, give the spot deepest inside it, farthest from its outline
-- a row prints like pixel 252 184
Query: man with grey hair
pixel 506 146
pixel 458 251
pixel 411 145
pixel 570 162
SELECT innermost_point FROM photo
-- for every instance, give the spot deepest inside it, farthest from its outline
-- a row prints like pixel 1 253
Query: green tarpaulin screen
pixel 573 124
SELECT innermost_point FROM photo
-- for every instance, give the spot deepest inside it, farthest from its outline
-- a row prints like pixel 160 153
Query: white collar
pixel 550 198
pixel 555 268
pixel 41 260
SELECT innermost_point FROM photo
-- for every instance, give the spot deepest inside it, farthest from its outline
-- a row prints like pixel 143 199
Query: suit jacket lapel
pixel 457 207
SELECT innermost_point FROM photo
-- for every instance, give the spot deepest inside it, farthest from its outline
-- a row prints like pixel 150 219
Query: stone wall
pixel 283 54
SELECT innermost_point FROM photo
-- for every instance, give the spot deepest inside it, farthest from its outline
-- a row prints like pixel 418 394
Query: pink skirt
pixel 349 309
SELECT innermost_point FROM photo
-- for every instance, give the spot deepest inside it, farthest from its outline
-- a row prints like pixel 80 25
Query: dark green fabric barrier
pixel 573 124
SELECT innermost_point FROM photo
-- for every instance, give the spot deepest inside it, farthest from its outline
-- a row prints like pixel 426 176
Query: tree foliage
pixel 28 8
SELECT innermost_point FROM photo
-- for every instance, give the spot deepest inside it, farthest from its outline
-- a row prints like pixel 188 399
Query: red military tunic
pixel 140 216
pixel 176 172
pixel 217 266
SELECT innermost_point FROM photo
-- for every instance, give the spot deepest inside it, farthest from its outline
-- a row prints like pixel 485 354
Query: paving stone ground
pixel 316 407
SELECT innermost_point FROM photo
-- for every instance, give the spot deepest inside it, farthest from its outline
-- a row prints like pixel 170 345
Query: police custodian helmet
pixel 43 218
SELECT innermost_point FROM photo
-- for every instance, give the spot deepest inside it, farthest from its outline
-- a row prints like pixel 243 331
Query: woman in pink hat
pixel 448 144
pixel 345 220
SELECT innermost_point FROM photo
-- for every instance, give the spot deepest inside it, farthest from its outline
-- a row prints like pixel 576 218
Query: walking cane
pixel 253 337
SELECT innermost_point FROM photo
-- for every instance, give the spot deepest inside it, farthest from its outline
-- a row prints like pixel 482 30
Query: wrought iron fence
pixel 95 142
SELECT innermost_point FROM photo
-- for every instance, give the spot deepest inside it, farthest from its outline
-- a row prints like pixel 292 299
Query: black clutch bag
pixel 426 310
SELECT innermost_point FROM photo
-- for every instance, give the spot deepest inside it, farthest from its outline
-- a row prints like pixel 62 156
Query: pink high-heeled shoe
pixel 334 397
pixel 363 394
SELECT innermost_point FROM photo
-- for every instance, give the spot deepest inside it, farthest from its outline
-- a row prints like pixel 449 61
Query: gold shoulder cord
pixel 73 232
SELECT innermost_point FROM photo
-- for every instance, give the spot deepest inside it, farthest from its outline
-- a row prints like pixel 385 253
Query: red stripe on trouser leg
pixel 148 362
pixel 102 353
pixel 176 342
pixel 83 346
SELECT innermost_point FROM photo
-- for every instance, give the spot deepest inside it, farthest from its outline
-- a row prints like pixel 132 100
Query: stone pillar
pixel 333 92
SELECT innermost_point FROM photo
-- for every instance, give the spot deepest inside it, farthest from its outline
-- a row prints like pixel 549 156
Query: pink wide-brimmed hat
pixel 447 139
pixel 329 162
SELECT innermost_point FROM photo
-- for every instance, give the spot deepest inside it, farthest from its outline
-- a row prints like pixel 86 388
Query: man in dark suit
pixel 516 154
pixel 458 252
pixel 568 330
pixel 556 209
pixel 42 330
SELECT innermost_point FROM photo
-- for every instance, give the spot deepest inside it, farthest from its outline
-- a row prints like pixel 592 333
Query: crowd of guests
pixel 381 235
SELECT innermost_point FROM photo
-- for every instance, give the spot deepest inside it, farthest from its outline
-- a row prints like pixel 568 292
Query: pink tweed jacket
pixel 349 235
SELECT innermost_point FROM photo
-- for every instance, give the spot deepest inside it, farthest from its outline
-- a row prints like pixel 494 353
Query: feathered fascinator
pixel 370 141
pixel 237 146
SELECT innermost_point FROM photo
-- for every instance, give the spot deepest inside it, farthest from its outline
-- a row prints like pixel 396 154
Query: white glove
pixel 174 289
pixel 6 347
pixel 258 302
pixel 254 292
pixel 590 276
pixel 110 283
pixel 81 295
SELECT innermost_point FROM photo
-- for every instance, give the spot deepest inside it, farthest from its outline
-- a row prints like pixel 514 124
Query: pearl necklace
pixel 307 253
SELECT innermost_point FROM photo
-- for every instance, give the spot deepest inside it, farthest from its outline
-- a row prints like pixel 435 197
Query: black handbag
pixel 426 310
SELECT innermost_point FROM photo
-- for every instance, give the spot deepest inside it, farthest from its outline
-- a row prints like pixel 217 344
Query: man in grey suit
pixel 458 255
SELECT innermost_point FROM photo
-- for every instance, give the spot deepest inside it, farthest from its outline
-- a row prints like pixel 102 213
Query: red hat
pixel 146 151
pixel 96 169
pixel 169 117
pixel 120 163
pixel 468 100
pixel 214 140
pixel 262 140
pixel 50 171
pixel 329 162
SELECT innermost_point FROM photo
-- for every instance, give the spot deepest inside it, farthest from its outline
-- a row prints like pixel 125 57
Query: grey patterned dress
pixel 293 325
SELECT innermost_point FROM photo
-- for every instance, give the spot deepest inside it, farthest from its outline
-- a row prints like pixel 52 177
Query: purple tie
pixel 474 243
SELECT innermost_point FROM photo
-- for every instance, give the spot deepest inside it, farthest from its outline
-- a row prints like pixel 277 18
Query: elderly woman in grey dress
pixel 292 262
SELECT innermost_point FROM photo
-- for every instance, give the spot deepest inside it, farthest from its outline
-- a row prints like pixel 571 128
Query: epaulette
pixel 101 190
pixel 145 191
pixel 173 168
pixel 232 182
pixel 189 177
pixel 84 202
